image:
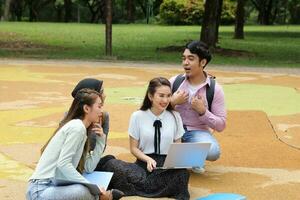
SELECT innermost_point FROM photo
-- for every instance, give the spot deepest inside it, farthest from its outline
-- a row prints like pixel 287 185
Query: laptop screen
pixel 186 155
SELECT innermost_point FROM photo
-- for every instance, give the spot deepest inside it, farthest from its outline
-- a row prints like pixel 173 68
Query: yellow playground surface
pixel 260 146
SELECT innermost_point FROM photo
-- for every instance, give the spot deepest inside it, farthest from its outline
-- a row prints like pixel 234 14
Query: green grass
pixel 271 46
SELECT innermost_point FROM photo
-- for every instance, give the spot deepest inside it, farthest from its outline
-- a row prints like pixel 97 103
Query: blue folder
pixel 96 179
pixel 101 179
pixel 223 196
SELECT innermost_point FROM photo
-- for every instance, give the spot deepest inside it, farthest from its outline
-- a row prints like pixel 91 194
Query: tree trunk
pixel 68 10
pixel 97 10
pixel 270 15
pixel 219 11
pixel 143 7
pixel 100 17
pixel 239 20
pixel 294 10
pixel 130 11
pixel 264 11
pixel 108 28
pixel 93 17
pixel 33 16
pixel 17 9
pixel 7 10
pixel 209 24
pixel 156 6
pixel 102 12
pixel 91 6
pixel 78 13
pixel 59 13
pixel 35 6
pixel 1 14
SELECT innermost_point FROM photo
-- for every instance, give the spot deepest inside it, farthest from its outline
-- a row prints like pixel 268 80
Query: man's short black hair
pixel 199 48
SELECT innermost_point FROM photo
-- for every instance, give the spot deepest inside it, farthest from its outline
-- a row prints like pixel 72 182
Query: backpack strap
pixel 210 92
pixel 210 89
pixel 178 80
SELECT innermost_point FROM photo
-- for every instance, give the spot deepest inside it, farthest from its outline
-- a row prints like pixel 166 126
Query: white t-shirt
pixel 141 129
pixel 192 91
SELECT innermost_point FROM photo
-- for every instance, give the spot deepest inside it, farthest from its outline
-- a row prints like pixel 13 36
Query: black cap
pixel 90 83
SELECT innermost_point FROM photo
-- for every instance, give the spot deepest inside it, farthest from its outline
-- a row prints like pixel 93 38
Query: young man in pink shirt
pixel 200 116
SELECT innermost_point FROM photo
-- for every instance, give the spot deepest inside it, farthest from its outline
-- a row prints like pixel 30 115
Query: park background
pixel 47 46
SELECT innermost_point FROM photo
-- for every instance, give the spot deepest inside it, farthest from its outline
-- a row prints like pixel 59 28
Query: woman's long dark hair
pixel 83 97
pixel 152 87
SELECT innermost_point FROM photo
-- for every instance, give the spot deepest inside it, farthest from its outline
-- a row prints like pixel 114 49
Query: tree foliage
pixel 171 12
pixel 277 11
pixel 294 11
pixel 191 12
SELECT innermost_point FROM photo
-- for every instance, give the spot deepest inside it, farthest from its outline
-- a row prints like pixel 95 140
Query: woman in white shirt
pixel 152 129
pixel 65 156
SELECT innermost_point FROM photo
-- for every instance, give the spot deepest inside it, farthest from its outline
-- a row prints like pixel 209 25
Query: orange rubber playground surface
pixel 260 147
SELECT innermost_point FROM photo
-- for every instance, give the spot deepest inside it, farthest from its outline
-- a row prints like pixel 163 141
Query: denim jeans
pixel 203 136
pixel 44 189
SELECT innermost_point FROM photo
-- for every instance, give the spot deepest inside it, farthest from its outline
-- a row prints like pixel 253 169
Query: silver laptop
pixel 186 155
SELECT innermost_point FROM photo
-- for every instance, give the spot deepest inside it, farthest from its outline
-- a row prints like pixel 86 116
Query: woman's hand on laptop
pixel 151 164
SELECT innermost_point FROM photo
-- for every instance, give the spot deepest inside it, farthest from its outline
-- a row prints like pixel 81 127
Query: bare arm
pixel 151 164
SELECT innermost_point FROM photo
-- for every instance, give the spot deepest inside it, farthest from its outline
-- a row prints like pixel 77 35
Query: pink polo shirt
pixel 211 120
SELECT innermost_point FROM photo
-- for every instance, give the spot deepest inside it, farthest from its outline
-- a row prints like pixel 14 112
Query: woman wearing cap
pixel 96 85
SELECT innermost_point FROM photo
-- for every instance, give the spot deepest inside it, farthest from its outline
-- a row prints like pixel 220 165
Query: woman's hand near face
pixel 98 129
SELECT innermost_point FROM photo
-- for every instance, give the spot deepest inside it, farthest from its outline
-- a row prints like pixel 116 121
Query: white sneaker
pixel 198 170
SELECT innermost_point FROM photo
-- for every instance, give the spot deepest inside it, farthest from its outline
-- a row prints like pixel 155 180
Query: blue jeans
pixel 44 189
pixel 204 136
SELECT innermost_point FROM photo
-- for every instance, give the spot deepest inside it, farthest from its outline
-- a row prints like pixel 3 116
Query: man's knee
pixel 213 155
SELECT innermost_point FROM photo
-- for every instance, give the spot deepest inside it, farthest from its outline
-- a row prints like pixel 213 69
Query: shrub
pixel 194 11
pixel 172 12
pixel 182 12
pixel 228 12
